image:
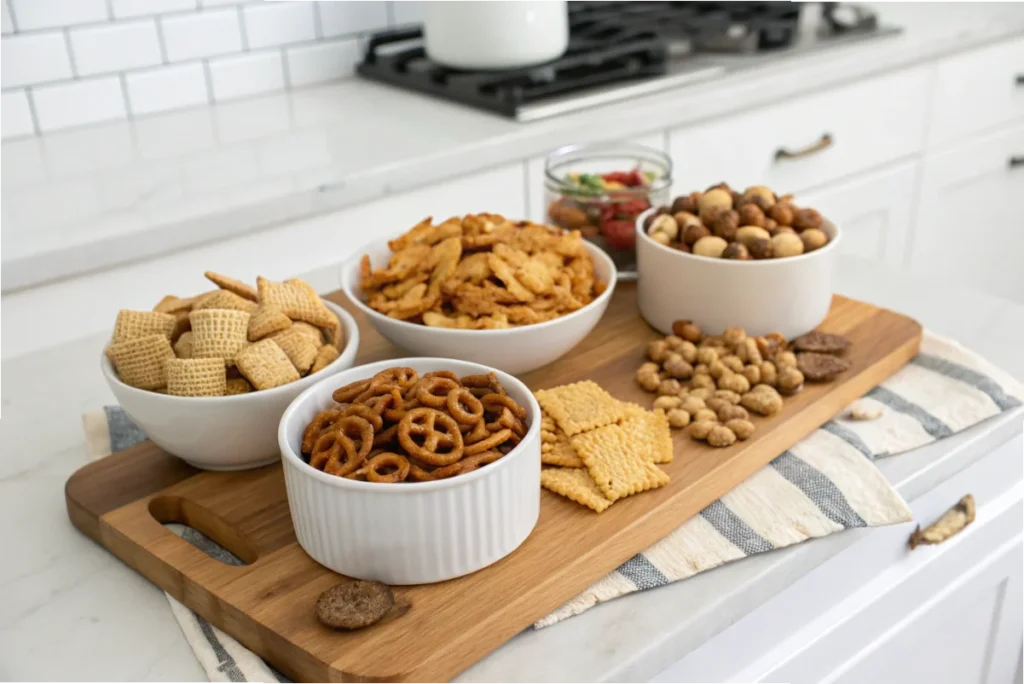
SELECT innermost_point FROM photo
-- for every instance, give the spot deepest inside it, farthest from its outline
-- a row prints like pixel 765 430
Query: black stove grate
pixel 609 42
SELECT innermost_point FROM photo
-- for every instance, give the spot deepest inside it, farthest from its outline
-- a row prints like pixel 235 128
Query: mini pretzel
pixel 506 420
pixel 351 391
pixel 466 465
pixel 460 397
pixel 366 413
pixel 492 442
pixel 401 376
pixel 478 433
pixel 335 454
pixel 482 385
pixel 433 392
pixel 385 437
pixel 418 474
pixel 491 401
pixel 321 422
pixel 375 466
pixel 421 422
pixel 442 374
pixel 354 426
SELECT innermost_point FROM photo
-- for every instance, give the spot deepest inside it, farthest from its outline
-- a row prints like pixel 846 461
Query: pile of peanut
pixel 711 383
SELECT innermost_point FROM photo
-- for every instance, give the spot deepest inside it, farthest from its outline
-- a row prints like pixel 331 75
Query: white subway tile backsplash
pixel 41 14
pixel 308 64
pixel 220 3
pixel 36 58
pixel 78 103
pixel 203 34
pixel 147 8
pixel 279 23
pixel 16 114
pixel 248 74
pixel 406 12
pixel 115 47
pixel 8 25
pixel 167 88
pixel 346 18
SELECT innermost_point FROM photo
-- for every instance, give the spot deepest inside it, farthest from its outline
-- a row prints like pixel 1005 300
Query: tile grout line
pixel 318 24
pixel 13 18
pixel 124 93
pixel 389 10
pixel 286 67
pixel 160 39
pixel 71 54
pixel 242 30
pixel 110 10
pixel 208 78
pixel 32 110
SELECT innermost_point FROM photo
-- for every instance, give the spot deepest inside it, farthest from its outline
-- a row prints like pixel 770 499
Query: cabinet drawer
pixel 808 141
pixel 977 90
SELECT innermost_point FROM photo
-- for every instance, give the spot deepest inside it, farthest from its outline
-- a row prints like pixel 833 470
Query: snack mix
pixel 710 384
pixel 603 449
pixel 482 272
pixel 723 223
pixel 232 340
pixel 400 427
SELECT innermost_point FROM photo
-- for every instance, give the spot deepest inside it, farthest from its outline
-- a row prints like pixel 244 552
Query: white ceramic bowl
pixel 222 433
pixel 411 532
pixel 513 350
pixel 790 295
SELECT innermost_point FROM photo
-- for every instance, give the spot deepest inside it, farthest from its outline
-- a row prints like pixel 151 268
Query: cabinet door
pixel 970 221
pixel 873 212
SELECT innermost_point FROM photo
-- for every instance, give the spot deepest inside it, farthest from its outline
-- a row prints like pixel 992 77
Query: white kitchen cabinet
pixel 970 225
pixel 808 141
pixel 873 211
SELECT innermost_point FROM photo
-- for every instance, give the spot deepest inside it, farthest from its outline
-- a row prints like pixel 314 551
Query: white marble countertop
pixel 70 610
pixel 88 199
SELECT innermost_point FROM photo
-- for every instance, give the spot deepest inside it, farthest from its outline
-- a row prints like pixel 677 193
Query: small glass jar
pixel 600 189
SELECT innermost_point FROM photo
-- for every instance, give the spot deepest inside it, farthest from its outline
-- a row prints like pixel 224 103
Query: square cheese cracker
pixel 580 406
pixel 619 465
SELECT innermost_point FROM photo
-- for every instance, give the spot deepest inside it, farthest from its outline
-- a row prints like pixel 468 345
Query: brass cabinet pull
pixel 950 524
pixel 824 143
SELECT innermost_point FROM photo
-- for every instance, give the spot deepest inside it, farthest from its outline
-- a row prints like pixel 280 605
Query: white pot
pixel 791 295
pixel 495 35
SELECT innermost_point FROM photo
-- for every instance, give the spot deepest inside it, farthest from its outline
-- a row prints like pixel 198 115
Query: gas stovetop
pixel 620 50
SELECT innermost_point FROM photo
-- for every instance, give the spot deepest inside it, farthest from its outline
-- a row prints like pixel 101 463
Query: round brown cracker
pixel 818 367
pixel 824 343
pixel 354 604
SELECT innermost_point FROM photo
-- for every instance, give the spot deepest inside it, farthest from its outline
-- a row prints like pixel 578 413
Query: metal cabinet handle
pixel 1020 79
pixel 824 143
pixel 950 524
pixel 1016 160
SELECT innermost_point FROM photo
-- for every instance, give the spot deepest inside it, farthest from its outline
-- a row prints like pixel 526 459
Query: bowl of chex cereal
pixel 207 378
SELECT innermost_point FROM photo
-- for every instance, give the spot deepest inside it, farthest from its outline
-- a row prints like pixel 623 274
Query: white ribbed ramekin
pixel 411 532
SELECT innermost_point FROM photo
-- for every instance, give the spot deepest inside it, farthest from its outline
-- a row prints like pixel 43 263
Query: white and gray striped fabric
pixel 824 484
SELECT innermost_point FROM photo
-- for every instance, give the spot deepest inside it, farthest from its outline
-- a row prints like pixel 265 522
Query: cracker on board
pixel 267 320
pixel 225 299
pixel 233 285
pixel 297 299
pixel 555 448
pixel 237 386
pixel 580 406
pixel 183 346
pixel 650 433
pixel 142 361
pixel 617 464
pixel 132 324
pixel 575 484
pixel 301 352
pixel 265 365
pixel 196 377
pixel 219 333
pixel 325 356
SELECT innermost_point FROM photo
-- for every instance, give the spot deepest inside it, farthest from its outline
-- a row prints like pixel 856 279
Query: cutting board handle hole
pixel 210 526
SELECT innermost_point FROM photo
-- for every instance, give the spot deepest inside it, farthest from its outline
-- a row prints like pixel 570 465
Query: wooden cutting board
pixel 267 605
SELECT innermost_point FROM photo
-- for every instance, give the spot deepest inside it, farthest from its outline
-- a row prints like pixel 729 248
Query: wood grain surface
pixel 267 605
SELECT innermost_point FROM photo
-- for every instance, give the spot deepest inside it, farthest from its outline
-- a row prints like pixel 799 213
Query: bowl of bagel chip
pixel 512 295
pixel 206 378
pixel 413 470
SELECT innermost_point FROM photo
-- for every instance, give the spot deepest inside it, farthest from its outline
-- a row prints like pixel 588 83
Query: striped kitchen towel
pixel 824 484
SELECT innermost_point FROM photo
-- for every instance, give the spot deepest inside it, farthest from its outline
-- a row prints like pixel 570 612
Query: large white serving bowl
pixel 791 295
pixel 223 433
pixel 411 532
pixel 513 350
